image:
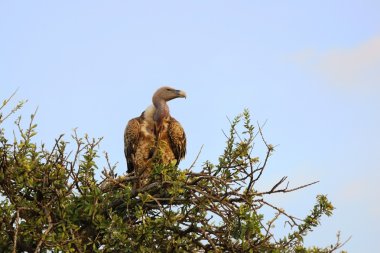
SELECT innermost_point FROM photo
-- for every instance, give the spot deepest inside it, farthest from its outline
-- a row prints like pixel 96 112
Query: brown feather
pixel 177 139
pixel 131 137
pixel 139 143
pixel 155 136
pixel 171 142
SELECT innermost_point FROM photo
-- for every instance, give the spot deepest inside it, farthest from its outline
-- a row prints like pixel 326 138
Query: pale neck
pixel 162 110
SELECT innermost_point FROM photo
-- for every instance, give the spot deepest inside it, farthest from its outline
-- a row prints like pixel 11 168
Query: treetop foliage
pixel 51 201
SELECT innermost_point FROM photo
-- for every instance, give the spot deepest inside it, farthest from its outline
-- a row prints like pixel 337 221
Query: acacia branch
pixel 16 231
pixel 46 232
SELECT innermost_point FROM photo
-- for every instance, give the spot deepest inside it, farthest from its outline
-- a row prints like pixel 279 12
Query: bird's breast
pixel 147 129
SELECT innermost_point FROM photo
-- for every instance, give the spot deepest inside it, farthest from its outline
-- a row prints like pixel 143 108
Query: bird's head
pixel 167 93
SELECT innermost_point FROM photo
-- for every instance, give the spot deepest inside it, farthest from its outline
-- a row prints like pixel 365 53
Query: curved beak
pixel 181 93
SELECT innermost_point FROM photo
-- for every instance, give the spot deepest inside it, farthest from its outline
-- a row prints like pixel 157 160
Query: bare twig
pixel 285 190
pixel 46 232
pixel 196 158
pixel 16 231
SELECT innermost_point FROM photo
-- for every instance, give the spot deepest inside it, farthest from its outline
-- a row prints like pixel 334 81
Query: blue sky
pixel 311 68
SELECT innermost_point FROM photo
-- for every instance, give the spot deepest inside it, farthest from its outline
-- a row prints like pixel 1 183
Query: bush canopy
pixel 51 201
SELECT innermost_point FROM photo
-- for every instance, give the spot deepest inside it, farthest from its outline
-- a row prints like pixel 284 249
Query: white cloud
pixel 356 67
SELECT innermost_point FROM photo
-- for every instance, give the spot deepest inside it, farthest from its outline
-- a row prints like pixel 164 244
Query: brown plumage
pixel 155 135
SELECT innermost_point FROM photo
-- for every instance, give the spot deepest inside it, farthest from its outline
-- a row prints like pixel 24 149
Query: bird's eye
pixel 168 89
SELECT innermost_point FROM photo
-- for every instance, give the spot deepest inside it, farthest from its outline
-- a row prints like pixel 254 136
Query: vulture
pixel 155 136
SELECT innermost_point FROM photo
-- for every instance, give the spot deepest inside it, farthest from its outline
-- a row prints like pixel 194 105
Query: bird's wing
pixel 131 139
pixel 177 139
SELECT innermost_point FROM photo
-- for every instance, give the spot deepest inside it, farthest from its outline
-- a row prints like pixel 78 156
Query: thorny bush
pixel 50 200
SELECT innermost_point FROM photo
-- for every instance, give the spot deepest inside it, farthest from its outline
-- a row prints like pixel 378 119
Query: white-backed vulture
pixel 154 136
